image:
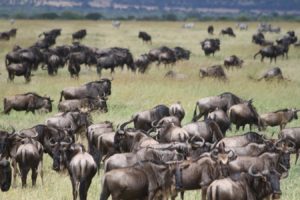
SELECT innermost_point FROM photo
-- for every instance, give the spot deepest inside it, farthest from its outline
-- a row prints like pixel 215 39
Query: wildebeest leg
pixel 84 187
pixel 250 127
pixel 34 175
pixel 40 170
pixel 24 172
pixel 203 192
pixel 297 156
pixel 14 165
pixel 237 128
pixel 105 193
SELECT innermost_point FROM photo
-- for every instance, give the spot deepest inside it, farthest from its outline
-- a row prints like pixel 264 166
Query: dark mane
pixel 33 93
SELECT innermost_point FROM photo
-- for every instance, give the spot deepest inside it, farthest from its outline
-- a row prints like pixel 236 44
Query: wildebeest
pixel 221 118
pixel 122 160
pixel 279 118
pixel 233 61
pixel 210 30
pixel 94 89
pixel 209 104
pixel 210 46
pixel 271 52
pixel 244 113
pixel 144 180
pixel 243 140
pixel 142 63
pixel 177 110
pixel 81 167
pixel 29 155
pixel 175 75
pixel 76 121
pixel 181 53
pixel 163 55
pixel 208 129
pixel 143 120
pixel 271 74
pixel 90 104
pixel 4 36
pixel 28 102
pixel 215 71
pixel 79 35
pixel 5 175
pixel 12 32
pixel 53 33
pixel 250 186
pixel 169 132
pixel 145 37
pixel 21 69
pixel 227 31
pixel 292 134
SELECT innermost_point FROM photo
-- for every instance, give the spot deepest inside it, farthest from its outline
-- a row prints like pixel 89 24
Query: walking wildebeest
pixel 21 69
pixel 233 61
pixel 227 31
pixel 279 117
pixel 145 37
pixel 28 102
pixel 80 164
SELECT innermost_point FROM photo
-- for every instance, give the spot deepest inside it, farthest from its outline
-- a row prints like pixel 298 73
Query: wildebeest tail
pixel 61 96
pixel 105 191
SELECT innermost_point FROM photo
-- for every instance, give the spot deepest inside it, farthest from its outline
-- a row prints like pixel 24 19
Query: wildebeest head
pixel 5 175
pixel 58 150
pixel 223 157
pixel 284 148
pixel 47 102
pixel 4 142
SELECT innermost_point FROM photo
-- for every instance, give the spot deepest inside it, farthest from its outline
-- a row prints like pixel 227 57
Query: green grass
pixel 134 92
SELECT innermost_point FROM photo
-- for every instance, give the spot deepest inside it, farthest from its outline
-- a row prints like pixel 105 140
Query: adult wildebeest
pixel 94 89
pixel 221 118
pixel 208 104
pixel 244 113
pixel 5 175
pixel 181 53
pixel 210 30
pixel 80 164
pixel 144 180
pixel 271 52
pixel 210 46
pixel 76 121
pixel 243 140
pixel 4 36
pixel 21 69
pixel 79 35
pixel 169 132
pixel 208 129
pixel 53 33
pixel 28 102
pixel 175 75
pixel 177 110
pixel 271 74
pixel 90 104
pixel 163 55
pixel 215 71
pixel 29 155
pixel 12 32
pixel 279 118
pixel 233 61
pixel 142 63
pixel 143 120
pixel 227 31
pixel 122 160
pixel 145 37
pixel 250 186
pixel 292 134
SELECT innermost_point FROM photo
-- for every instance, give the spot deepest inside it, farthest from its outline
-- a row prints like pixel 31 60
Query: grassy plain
pixel 136 92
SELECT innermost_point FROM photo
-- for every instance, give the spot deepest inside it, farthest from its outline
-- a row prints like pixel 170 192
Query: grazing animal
pixel 215 71
pixel 143 120
pixel 272 74
pixel 233 61
pixel 29 155
pixel 144 180
pixel 242 26
pixel 243 140
pixel 79 35
pixel 177 110
pixel 21 69
pixel 271 52
pixel 279 117
pixel 210 30
pixel 81 167
pixel 168 132
pixel 181 53
pixel 250 186
pixel 210 46
pixel 142 63
pixel 145 37
pixel 227 31
pixel 5 175
pixel 221 118
pixel 81 104
pixel 292 134
pixel 244 113
pixel 28 102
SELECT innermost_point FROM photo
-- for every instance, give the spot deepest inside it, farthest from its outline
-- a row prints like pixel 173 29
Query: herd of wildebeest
pixel 157 157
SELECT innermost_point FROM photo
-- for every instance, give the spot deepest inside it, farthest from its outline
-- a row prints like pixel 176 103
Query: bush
pixel 93 16
pixel 71 15
pixel 49 15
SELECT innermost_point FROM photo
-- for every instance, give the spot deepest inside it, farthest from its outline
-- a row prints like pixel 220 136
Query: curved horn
pixel 13 129
pixel 250 171
pixel 276 144
pixel 122 126
pixel 153 123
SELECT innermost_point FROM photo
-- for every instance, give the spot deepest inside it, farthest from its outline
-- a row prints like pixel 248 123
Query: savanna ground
pixel 135 92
